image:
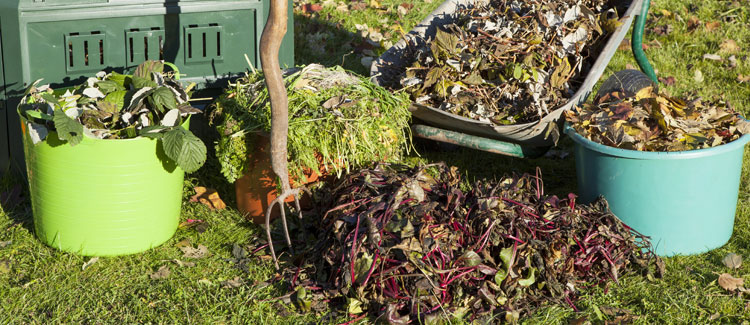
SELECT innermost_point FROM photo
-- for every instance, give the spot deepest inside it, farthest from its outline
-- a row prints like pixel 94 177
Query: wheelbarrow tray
pixel 535 134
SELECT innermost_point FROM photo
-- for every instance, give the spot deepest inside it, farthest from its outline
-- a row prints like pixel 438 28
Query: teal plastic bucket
pixel 685 201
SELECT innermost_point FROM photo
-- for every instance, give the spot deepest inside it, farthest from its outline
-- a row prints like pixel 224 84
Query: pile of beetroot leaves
pixel 416 245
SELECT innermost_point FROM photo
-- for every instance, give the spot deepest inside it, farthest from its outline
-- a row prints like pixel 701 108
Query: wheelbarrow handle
pixel 637 42
pixel 478 143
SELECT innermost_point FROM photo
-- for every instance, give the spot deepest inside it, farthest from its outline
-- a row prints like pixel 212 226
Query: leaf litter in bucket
pixel 649 121
pixel 509 62
pixel 497 248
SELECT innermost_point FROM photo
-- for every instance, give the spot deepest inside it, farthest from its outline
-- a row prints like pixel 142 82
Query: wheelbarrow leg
pixel 637 42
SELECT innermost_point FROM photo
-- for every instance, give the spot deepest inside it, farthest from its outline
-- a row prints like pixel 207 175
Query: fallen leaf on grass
pixel 712 25
pixel 732 61
pixel 729 46
pixel 714 317
pixel 731 283
pixel 662 30
pixel 667 81
pixel 404 8
pixel 743 78
pixel 232 283
pixel 199 225
pixel 713 57
pixel 208 197
pixel 205 282
pixel 4 244
pixel 183 263
pixel 359 5
pixel 194 252
pixel 732 261
pixel 698 76
pixel 624 45
pixel 89 263
pixel 693 23
pixel 162 273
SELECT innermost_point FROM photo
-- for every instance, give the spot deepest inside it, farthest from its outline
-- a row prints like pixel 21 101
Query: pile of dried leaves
pixel 410 245
pixel 509 62
pixel 650 121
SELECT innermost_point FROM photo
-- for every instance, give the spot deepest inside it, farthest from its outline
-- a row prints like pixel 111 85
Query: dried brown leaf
pixel 693 23
pixel 194 252
pixel 730 283
pixel 729 46
pixel 732 261
pixel 712 25
pixel 162 273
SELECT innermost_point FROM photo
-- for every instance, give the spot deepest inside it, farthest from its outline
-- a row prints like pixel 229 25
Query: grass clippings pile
pixel 412 245
pixel 336 118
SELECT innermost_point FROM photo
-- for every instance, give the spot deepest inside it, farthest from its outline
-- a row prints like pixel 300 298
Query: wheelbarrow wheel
pixel 627 81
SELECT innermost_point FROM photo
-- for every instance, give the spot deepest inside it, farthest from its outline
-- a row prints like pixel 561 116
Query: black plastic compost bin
pixel 66 41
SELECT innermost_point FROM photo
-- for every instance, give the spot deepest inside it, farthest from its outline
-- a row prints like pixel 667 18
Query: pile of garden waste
pixel 649 121
pixel 416 245
pixel 336 118
pixel 149 103
pixel 509 62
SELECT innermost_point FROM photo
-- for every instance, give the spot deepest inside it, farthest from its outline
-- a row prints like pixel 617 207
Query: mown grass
pixel 39 284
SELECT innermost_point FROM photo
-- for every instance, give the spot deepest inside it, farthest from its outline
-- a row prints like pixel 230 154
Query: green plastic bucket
pixel 685 201
pixel 102 197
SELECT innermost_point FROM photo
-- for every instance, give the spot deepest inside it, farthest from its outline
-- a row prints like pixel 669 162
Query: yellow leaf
pixel 647 92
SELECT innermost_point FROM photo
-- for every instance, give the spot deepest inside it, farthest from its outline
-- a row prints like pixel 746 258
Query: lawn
pixel 39 284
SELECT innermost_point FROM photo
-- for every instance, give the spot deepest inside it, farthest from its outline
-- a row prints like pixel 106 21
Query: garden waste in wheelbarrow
pixel 521 140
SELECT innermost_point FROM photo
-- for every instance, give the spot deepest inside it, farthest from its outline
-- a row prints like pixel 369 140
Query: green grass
pixel 44 285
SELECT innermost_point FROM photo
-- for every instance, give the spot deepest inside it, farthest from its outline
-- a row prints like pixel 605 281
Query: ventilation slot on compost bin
pixel 84 51
pixel 203 43
pixel 144 44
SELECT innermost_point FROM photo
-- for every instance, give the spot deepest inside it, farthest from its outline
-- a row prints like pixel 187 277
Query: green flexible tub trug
pixel 102 197
pixel 685 201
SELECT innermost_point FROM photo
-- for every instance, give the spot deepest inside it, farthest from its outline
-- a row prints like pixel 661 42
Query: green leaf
pixel 38 115
pixel 470 258
pixel 140 82
pixel 529 280
pixel 68 129
pixel 446 41
pixel 187 150
pixel 108 86
pixel 50 98
pixel 500 276
pixel 121 80
pixel 353 306
pixel 162 99
pixel 116 98
pixel 517 71
pixel 145 69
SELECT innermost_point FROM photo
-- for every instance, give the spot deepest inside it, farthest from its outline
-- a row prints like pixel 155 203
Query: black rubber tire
pixel 628 81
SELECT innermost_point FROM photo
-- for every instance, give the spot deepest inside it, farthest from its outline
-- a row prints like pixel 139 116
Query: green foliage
pixel 117 106
pixel 185 148
pixel 67 128
pixel 344 123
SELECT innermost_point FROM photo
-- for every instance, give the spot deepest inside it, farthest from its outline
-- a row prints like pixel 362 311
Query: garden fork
pixel 270 42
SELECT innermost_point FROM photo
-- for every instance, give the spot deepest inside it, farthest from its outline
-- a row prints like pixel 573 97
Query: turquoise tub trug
pixel 685 201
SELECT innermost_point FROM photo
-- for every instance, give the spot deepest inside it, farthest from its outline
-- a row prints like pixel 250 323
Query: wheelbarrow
pixel 528 140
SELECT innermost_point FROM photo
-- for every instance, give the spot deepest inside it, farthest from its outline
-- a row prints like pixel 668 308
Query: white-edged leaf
pixel 37 132
pixel 138 97
pixel 93 92
pixel 172 118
